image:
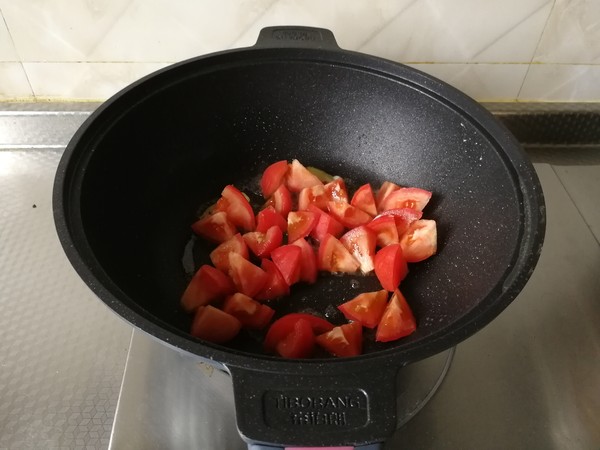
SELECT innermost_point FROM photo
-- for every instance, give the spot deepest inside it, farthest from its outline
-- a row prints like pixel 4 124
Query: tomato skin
pixel 281 200
pixel 273 177
pixel 413 198
pixel 275 286
pixel 361 242
pixel 387 187
pixel 299 177
pixel 308 262
pixel 262 244
pixel 207 285
pixel 287 258
pixel 314 195
pixel 366 308
pixel 220 255
pixel 397 320
pixel 249 312
pixel 325 225
pixel 420 240
pixel 390 267
pixel 299 343
pixel 285 324
pixel 364 200
pixel 404 217
pixel 215 227
pixel 214 325
pixel 268 217
pixel 248 278
pixel 342 341
pixel 300 224
pixel 336 190
pixel 348 215
pixel 385 230
pixel 334 257
pixel 239 210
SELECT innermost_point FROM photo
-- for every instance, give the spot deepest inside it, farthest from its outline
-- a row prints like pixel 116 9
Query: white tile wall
pixel 540 50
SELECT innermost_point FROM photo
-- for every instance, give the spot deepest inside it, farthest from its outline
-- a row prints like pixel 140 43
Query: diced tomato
pixel 334 257
pixel 287 259
pixel 403 217
pixel 268 217
pixel 364 200
pixel 281 200
pixel 299 177
pixel 239 211
pixel 345 340
pixel 386 188
pixel 300 224
pixel 414 198
pixel 207 285
pixel 308 262
pixel 299 343
pixel 397 320
pixel 325 225
pixel 361 242
pixel 262 244
pixel 385 230
pixel 390 266
pixel 248 278
pixel 285 325
pixel 336 190
pixel 215 227
pixel 220 255
pixel 366 308
pixel 420 240
pixel 214 325
pixel 314 195
pixel 248 311
pixel 275 286
pixel 273 177
pixel 348 215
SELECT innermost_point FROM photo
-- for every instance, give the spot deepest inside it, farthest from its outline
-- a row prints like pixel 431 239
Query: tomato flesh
pixel 385 230
pixel 314 195
pixel 404 217
pixel 215 227
pixel 363 199
pixel 366 308
pixel 275 286
pixel 299 177
pixel 390 266
pixel 299 343
pixel 397 320
pixel 342 341
pixel 248 278
pixel 336 191
pixel 413 198
pixel 285 324
pixel 334 257
pixel 348 215
pixel 420 240
pixel 207 285
pixel 281 201
pixel 220 255
pixel 273 177
pixel 361 242
pixel 268 217
pixel 308 262
pixel 387 187
pixel 287 258
pixel 262 244
pixel 239 211
pixel 300 224
pixel 249 312
pixel 325 225
pixel 214 325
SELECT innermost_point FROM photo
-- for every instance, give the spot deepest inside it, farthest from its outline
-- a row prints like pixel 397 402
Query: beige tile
pixel 90 81
pixel 561 82
pixel 572 34
pixel 7 49
pixel 14 84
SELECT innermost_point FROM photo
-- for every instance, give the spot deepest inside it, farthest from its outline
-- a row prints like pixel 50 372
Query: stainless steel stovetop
pixel 73 375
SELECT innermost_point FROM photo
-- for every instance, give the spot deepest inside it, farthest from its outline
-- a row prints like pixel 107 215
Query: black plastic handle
pixel 296 37
pixel 352 408
pixel 269 447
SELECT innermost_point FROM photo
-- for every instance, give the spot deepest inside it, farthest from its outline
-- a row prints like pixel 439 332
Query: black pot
pixel 134 176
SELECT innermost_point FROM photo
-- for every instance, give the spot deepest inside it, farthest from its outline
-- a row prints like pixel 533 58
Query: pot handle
pixel 296 37
pixel 353 407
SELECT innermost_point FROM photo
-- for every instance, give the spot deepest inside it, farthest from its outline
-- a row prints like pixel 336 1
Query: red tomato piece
pixel 214 325
pixel 299 177
pixel 386 188
pixel 308 262
pixel 248 278
pixel 249 312
pixel 361 242
pixel 397 320
pixel 262 244
pixel 314 195
pixel 390 267
pixel 366 308
pixel 281 200
pixel 348 215
pixel 336 190
pixel 275 286
pixel 287 259
pixel 403 217
pixel 342 341
pixel 220 255
pixel 299 343
pixel 285 325
pixel 334 257
pixel 420 240
pixel 300 224
pixel 269 217
pixel 325 225
pixel 239 210
pixel 414 198
pixel 215 227
pixel 207 285
pixel 273 177
pixel 364 200
pixel 385 230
